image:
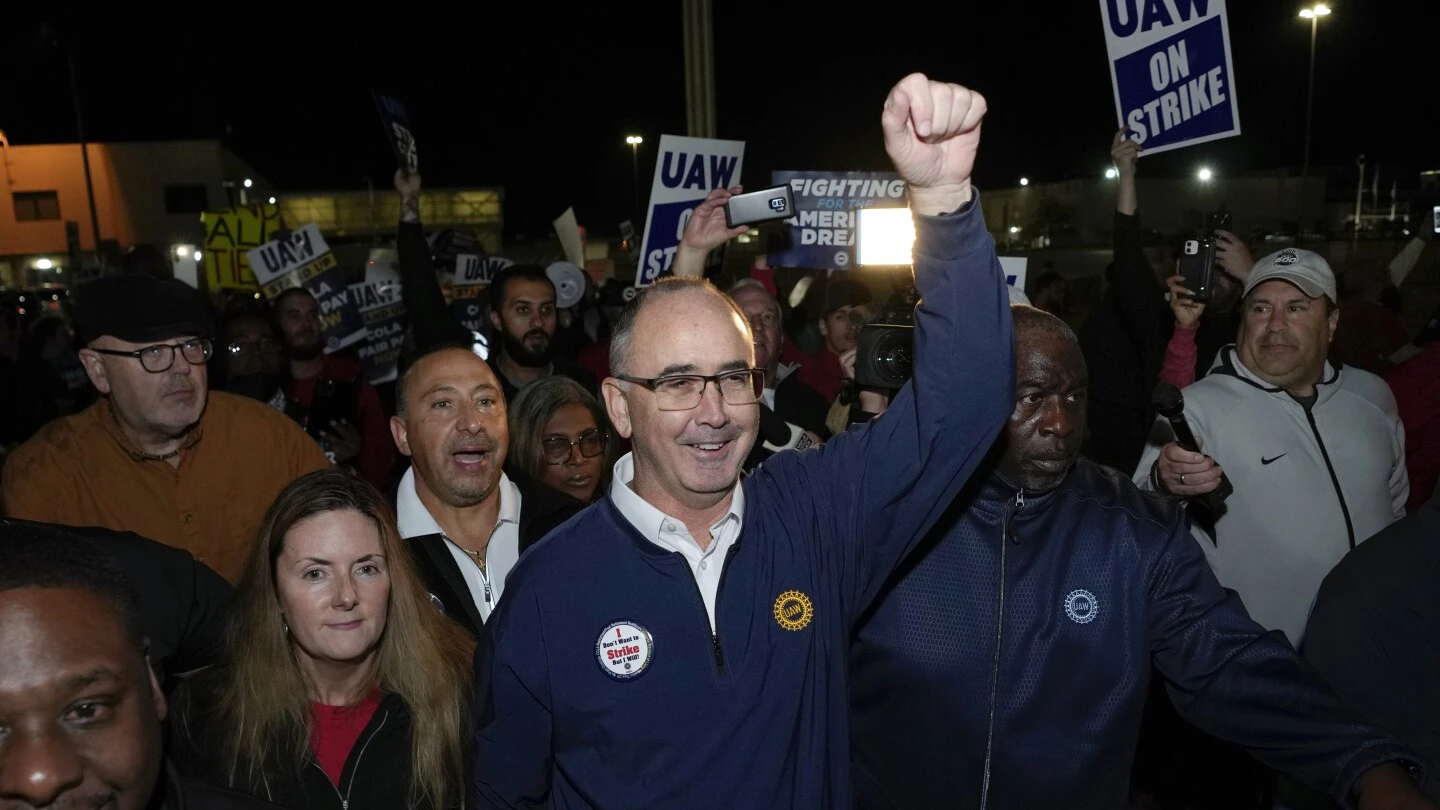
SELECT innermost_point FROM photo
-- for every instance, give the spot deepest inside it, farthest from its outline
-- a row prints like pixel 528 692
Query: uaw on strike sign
pixel 685 172
pixel 1170 65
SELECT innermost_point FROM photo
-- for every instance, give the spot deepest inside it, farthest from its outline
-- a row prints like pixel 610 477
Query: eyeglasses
pixel 681 392
pixel 160 357
pixel 556 449
pixel 237 348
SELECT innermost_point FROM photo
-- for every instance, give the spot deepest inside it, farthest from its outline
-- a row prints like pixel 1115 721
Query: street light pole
pixel 635 141
pixel 1313 14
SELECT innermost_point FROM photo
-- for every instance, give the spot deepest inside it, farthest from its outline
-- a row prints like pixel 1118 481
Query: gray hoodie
pixel 1309 483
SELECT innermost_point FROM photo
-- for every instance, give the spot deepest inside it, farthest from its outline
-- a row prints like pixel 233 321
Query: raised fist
pixel 932 131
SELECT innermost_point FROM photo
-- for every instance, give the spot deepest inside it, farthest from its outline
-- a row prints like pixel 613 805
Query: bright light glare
pixel 1204 175
pixel 249 182
pixel 272 200
pixel 1318 10
pixel 1014 229
pixel 44 264
pixel 1111 174
pixel 885 237
pixel 198 254
pixel 634 140
pixel 1024 181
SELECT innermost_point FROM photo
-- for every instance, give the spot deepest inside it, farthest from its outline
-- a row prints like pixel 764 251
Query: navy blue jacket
pixel 1099 581
pixel 756 715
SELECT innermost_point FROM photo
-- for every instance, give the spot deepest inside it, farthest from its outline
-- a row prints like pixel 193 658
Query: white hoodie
pixel 1296 475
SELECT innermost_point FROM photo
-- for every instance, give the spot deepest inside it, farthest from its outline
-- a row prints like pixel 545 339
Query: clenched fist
pixel 932 131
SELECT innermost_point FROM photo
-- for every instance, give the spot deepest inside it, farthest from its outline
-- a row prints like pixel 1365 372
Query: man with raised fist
pixel 683 642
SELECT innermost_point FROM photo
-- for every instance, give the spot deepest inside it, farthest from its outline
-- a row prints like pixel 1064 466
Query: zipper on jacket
pixel 1010 535
pixel 345 799
pixel 715 648
pixel 1334 479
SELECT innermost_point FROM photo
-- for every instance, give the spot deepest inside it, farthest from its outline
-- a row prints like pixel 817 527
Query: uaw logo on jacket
pixel 1081 606
pixel 793 610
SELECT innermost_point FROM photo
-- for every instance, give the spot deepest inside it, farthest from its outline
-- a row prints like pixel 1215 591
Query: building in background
pixel 146 192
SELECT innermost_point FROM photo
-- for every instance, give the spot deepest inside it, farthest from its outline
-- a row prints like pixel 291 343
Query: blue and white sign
pixel 1171 69
pixel 822 232
pixel 686 170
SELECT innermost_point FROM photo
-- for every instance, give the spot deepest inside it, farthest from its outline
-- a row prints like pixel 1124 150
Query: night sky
pixel 539 98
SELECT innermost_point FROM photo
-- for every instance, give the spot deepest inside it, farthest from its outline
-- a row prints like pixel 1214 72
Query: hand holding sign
pixel 932 132
pixel 1125 152
pixel 705 231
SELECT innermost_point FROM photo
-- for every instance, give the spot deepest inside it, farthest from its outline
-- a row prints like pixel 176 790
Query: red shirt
pixel 377 448
pixel 1416 385
pixel 334 730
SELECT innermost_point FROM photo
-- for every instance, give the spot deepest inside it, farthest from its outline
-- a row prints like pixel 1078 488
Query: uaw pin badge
pixel 624 650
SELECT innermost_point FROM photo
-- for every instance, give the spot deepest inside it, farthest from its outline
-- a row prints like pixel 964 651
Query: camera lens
pixel 893 355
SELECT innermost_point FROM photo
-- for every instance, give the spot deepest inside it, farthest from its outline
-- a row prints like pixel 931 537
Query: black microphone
pixel 1170 404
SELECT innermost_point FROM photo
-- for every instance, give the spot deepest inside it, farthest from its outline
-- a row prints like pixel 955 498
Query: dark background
pixel 538 96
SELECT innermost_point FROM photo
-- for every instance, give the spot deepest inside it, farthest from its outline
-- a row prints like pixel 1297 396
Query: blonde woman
pixel 343 687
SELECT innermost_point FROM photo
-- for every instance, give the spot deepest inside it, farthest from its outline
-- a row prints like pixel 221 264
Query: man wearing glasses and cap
pixel 159 454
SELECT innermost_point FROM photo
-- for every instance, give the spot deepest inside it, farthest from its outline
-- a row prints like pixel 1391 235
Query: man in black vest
pixel 466 519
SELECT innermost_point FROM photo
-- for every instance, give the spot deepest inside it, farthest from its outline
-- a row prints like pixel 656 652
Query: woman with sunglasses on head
pixel 560 437
pixel 343 687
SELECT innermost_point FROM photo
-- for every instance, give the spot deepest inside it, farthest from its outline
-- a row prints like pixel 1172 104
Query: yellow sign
pixel 228 236
pixel 793 610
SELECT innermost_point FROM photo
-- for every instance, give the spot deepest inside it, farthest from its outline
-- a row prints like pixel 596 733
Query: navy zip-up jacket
pixel 1018 641
pixel 757 714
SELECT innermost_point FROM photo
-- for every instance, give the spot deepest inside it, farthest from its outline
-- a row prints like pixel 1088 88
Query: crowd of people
pixel 676 559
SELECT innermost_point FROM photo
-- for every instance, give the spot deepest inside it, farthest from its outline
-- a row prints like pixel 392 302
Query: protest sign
pixel 382 309
pixel 822 232
pixel 396 122
pixel 686 170
pixel 1014 269
pixel 229 235
pixel 1171 70
pixel 303 259
pixel 472 275
pixel 572 240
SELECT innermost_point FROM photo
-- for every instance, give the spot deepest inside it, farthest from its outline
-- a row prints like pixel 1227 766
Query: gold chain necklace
pixel 478 557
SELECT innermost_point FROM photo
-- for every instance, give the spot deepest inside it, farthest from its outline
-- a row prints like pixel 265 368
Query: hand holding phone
pixel 755 207
pixel 1197 266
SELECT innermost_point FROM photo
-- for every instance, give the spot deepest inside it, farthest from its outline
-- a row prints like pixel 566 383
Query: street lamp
pixel 1313 14
pixel 1024 181
pixel 1204 174
pixel 272 200
pixel 635 141
pixel 249 182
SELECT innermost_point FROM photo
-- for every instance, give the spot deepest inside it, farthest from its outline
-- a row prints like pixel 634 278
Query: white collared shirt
pixel 670 533
pixel 501 554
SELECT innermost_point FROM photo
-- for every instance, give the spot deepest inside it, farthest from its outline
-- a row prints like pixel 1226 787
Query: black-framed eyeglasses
pixel 681 392
pixel 237 348
pixel 159 358
pixel 556 449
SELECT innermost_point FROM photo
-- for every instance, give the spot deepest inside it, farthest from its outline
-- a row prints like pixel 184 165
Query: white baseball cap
pixel 1303 268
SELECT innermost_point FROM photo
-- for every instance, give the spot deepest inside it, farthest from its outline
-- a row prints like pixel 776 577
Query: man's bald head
pixel 667 288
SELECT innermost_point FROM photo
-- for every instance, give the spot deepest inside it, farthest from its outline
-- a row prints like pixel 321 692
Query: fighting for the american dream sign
pixel 822 232
pixel 1170 66
pixel 686 171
